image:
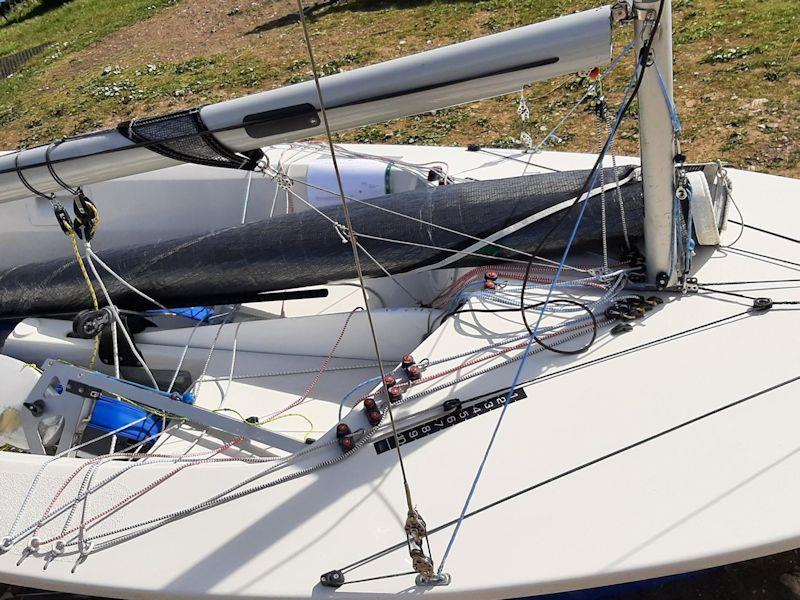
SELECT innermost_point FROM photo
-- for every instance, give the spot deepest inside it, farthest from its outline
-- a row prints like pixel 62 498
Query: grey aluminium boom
pixel 464 72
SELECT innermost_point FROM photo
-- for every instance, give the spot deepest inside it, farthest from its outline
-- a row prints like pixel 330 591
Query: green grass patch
pixel 725 55
pixel 729 53
pixel 73 25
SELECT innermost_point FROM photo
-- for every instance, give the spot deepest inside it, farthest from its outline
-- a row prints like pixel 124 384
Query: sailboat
pixel 349 371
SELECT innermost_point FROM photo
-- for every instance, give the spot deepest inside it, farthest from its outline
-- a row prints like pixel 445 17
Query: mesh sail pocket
pixel 183 136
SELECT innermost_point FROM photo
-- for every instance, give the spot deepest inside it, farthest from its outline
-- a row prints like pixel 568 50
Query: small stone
pixel 759 103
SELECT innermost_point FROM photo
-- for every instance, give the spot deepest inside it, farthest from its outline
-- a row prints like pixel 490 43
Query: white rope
pixel 117 318
pixel 93 254
pixel 247 196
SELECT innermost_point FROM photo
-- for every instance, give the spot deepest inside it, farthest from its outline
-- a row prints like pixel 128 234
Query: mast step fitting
pixel 443 579
pixel 332 579
pixel 691 286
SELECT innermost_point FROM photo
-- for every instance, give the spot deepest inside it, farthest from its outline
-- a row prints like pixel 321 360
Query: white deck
pixel 717 491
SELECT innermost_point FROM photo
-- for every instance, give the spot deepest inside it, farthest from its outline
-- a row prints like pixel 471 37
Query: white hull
pixel 717 491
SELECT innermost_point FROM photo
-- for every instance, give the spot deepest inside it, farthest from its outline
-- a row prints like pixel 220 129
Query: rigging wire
pixel 589 183
pixel 767 231
pixel 561 372
pixel 582 467
pixel 750 253
pixel 743 296
pixel 417 220
pixel 354 243
pixel 236 491
pixel 118 319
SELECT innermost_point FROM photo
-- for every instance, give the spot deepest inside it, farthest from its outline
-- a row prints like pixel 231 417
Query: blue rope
pixel 353 391
pixel 521 367
pixel 673 112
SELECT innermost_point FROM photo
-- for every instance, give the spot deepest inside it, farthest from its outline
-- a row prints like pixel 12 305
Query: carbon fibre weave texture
pixel 304 249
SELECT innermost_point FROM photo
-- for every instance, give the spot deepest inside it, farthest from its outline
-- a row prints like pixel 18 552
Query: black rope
pixel 583 348
pixel 53 174
pixel 515 159
pixel 727 293
pixel 376 578
pixel 547 376
pixel 767 231
pixel 767 256
pixel 591 463
pixel 752 282
pixel 537 305
pixel 25 182
pixel 643 60
pixel 751 298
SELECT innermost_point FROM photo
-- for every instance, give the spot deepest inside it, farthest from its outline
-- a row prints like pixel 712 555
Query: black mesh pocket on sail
pixel 183 136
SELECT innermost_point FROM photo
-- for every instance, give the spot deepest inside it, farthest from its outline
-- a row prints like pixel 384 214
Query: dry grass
pixel 737 70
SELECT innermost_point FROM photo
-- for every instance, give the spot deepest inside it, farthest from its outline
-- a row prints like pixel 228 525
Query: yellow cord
pixel 265 421
pixel 92 293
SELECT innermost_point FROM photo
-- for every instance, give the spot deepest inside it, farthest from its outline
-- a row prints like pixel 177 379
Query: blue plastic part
pixel 189 397
pixel 110 414
pixel 196 313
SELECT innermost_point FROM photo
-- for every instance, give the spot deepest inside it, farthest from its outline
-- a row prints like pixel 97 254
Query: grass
pixel 737 68
pixel 70 26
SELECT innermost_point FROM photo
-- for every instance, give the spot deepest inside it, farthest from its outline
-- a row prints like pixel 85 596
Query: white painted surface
pixel 720 490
